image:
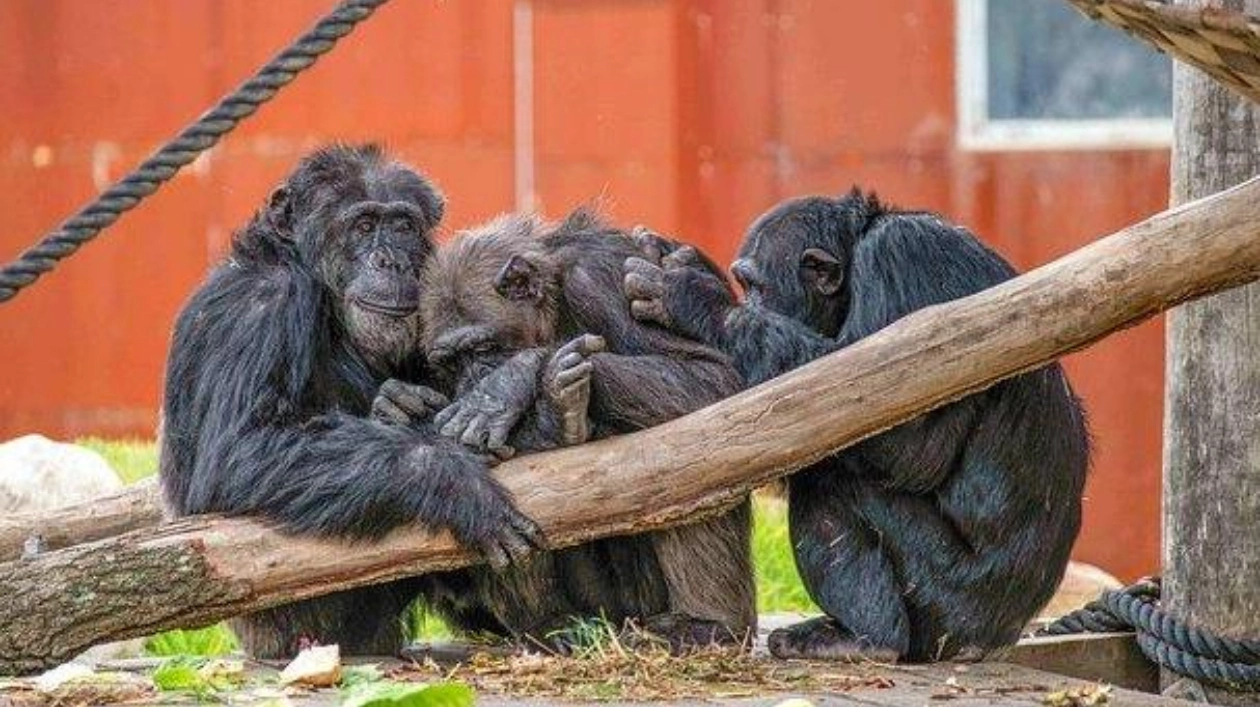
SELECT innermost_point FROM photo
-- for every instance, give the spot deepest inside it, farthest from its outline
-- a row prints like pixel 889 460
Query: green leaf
pixel 402 694
pixel 179 675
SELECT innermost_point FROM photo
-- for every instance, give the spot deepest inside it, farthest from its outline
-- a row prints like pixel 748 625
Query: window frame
pixel 976 131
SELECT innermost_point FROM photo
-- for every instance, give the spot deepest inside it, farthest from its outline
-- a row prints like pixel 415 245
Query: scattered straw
pixel 642 675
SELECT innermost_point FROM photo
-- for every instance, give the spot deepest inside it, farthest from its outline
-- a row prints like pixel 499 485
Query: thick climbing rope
pixel 1186 650
pixel 220 120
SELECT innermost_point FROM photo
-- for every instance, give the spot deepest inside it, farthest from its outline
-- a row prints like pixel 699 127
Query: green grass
pixel 778 585
pixel 133 459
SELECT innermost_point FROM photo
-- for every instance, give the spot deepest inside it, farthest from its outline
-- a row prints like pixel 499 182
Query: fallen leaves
pixel 1082 696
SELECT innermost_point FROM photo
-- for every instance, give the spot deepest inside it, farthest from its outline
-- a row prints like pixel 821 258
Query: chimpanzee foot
pixel 823 638
pixel 684 634
pixel 567 387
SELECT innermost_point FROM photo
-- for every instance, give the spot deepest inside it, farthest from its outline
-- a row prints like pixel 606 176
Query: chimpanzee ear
pixel 280 212
pixel 822 271
pixel 519 280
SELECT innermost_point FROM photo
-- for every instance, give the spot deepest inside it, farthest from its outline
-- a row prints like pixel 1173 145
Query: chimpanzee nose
pixel 382 259
pixel 742 270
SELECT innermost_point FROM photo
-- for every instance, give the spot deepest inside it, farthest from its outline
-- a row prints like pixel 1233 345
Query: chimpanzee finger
pixel 455 426
pixel 569 360
pixel 526 526
pixel 432 398
pixel 386 410
pixel 496 439
pixel 475 434
pixel 649 311
pixel 684 257
pixel 517 547
pixel 649 243
pixel 418 400
pixel 590 344
pixel 495 555
pixel 569 376
pixel 390 387
pixel 445 414
pixel 642 287
pixel 641 266
pixel 502 453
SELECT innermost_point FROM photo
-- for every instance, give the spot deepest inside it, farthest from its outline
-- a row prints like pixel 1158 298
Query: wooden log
pixel 136 506
pixel 1212 389
pixel 204 569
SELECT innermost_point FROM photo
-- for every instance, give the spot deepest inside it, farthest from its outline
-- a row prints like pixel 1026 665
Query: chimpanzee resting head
pixel 492 291
pixel 795 259
pixel 361 224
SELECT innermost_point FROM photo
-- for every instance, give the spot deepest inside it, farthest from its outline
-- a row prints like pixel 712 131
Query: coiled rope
pixel 1193 652
pixel 220 120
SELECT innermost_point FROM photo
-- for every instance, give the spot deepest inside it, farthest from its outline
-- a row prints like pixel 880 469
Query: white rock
pixel 60 675
pixel 37 474
pixel 318 666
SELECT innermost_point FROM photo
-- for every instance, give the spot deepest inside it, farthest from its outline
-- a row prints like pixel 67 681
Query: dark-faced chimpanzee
pixel 943 536
pixel 273 366
pixel 528 324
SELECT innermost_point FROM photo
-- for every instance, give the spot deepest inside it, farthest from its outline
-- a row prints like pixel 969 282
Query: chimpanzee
pixel 274 363
pixel 528 323
pixel 943 536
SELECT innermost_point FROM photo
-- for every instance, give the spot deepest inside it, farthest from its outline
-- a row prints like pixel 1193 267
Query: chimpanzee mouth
pixel 387 309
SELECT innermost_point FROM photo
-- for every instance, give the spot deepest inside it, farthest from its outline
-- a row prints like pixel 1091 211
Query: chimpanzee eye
pixel 404 223
pixel 364 224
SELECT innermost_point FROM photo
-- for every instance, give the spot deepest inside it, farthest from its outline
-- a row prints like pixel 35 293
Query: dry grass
pixel 617 673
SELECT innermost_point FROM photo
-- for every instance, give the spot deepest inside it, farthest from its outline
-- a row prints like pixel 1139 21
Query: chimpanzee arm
pixel 904 264
pixel 251 427
pixel 690 300
pixel 649 374
pixel 766 344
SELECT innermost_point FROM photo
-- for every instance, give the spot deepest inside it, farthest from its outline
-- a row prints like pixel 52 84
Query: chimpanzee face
pixel 794 261
pixel 488 294
pixel 363 225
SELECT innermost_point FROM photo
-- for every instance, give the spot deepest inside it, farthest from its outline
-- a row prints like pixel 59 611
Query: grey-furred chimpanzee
pixel 273 366
pixel 943 536
pixel 528 323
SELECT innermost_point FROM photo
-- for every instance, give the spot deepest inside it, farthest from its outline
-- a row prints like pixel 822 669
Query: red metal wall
pixel 690 115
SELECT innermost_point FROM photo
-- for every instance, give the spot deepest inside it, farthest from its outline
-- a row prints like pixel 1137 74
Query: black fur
pixel 943 536
pixel 273 364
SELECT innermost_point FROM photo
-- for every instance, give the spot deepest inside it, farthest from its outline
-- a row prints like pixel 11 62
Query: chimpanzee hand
pixel 483 417
pixel 680 294
pixel 401 403
pixel 455 490
pixel 567 387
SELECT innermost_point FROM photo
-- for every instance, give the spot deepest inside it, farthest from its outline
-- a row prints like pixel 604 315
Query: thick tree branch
pixel 200 570
pixel 136 506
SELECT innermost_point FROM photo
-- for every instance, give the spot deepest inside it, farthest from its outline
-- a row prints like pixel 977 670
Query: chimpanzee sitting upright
pixel 272 369
pixel 943 536
pixel 529 323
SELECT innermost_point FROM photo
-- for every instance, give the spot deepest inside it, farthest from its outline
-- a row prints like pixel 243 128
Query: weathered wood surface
pixel 991 684
pixel 62 602
pixel 137 506
pixel 1111 658
pixel 1212 387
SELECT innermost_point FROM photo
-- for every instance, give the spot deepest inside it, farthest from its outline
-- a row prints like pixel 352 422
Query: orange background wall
pixel 690 115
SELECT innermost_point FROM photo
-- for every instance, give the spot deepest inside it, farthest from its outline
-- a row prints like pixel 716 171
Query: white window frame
pixel 976 131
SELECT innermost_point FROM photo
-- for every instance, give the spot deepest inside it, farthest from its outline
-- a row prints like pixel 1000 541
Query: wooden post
pixel 1212 388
